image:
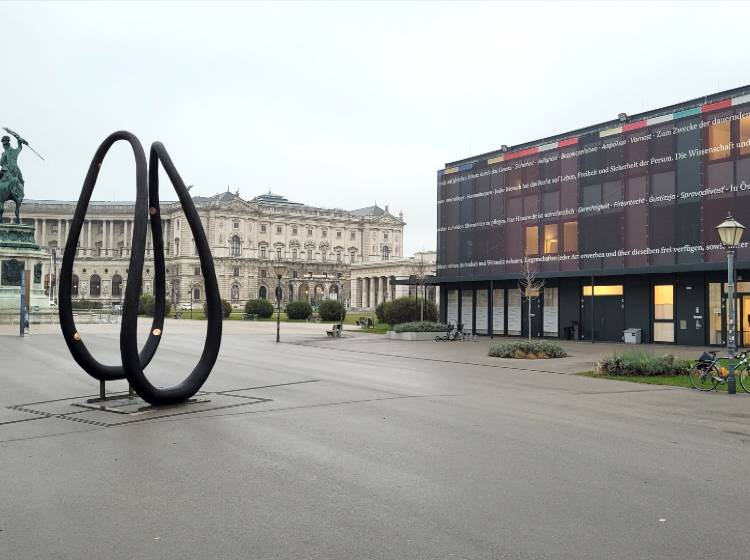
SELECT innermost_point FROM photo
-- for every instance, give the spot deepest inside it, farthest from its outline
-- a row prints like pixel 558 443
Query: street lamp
pixel 278 269
pixel 340 296
pixel 730 233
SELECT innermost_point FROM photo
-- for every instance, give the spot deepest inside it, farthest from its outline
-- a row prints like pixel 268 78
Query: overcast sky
pixel 340 104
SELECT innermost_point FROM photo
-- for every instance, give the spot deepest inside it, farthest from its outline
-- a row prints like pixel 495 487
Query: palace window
pixel 278 254
pixel 234 246
pixel 262 293
pixel 235 292
pixel 294 254
pixel 325 233
pixel 338 256
pixel 386 253
pixel 309 233
pixel 197 271
pixel 263 228
pixel 278 229
pixel 262 252
pixel 262 272
pixel 294 231
pixel 309 255
pixel 236 271
pixel 294 274
pixel 338 235
pixel 236 225
pixel 352 236
pixel 95 286
pixel 116 285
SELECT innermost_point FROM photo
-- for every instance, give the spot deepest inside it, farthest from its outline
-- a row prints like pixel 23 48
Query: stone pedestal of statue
pixel 19 252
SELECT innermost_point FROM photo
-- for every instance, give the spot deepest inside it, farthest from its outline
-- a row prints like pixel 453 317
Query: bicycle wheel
pixel 703 378
pixel 744 377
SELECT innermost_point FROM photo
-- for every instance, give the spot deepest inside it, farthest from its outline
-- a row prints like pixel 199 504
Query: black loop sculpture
pixel 146 207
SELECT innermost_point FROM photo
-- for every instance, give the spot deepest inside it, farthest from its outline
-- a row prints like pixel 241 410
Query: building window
pixel 74 285
pixel 664 313
pixel 294 254
pixel 278 229
pixel 236 225
pixel 352 256
pixel 294 231
pixel 719 135
pixel 550 239
pixel 309 255
pixel 532 240
pixel 263 228
pixel 323 255
pixel 95 286
pixel 744 139
pixel 235 292
pixel 309 233
pixel 278 254
pixel 385 235
pixel 352 236
pixel 714 317
pixel 386 253
pixel 262 272
pixel 197 271
pixel 603 290
pixel 196 294
pixel 570 237
pixel 262 293
pixel 262 252
pixel 338 235
pixel 325 233
pixel 338 256
pixel 236 271
pixel 116 285
pixel 234 246
pixel 294 274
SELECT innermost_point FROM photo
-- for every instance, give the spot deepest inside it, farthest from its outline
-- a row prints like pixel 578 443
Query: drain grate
pixel 118 409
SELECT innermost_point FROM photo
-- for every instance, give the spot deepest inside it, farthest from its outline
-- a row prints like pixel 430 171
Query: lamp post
pixel 730 233
pixel 278 269
pixel 340 296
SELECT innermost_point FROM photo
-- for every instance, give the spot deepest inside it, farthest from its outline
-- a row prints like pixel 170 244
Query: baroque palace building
pixel 317 245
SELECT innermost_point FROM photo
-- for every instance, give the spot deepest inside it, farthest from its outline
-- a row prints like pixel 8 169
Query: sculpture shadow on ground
pixel 146 208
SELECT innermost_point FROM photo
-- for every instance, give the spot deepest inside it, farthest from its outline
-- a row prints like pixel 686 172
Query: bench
pixel 365 322
pixel 249 317
pixel 335 331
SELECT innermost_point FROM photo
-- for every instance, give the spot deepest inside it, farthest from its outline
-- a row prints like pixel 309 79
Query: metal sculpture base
pixel 130 404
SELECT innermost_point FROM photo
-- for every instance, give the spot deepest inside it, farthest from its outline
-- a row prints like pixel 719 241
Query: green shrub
pixel 407 310
pixel 331 310
pixel 527 350
pixel 147 303
pixel 260 307
pixel 298 310
pixel 380 311
pixel 639 362
pixel 226 308
pixel 421 327
pixel 86 304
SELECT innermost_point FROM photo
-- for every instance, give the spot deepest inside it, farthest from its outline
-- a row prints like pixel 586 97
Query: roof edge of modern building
pixel 712 98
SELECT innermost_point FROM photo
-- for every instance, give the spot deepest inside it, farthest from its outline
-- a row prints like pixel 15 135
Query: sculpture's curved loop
pixel 72 338
pixel 128 346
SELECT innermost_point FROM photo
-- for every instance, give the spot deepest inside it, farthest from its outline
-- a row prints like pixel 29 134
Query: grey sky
pixel 340 104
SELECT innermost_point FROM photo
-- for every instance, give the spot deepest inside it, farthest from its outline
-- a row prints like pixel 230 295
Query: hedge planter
pixel 411 335
pixel 534 350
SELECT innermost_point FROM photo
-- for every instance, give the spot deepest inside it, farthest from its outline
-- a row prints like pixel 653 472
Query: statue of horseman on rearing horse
pixel 11 178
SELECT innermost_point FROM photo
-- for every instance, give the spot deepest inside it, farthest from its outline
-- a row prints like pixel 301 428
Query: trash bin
pixel 632 336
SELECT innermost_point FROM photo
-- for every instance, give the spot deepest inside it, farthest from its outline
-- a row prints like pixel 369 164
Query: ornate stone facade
pixel 246 238
pixel 374 282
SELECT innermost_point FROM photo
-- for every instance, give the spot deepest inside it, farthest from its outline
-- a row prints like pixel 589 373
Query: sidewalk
pixel 582 356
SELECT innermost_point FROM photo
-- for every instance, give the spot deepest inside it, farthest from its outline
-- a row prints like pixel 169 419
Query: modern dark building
pixel 618 221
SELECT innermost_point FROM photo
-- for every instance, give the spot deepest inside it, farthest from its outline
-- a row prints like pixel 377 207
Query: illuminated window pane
pixel 719 138
pixel 570 237
pixel 550 239
pixel 664 302
pixel 603 290
pixel 745 135
pixel 532 240
pixel 664 332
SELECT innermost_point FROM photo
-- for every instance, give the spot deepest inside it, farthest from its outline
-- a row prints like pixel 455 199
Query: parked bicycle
pixel 708 373
pixel 454 333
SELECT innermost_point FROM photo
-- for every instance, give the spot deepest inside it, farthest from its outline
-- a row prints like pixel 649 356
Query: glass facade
pixel 636 195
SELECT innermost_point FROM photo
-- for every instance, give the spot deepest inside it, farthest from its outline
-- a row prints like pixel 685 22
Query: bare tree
pixel 530 285
pixel 420 270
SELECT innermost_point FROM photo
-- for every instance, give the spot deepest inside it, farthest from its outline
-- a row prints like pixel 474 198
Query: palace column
pixel 89 243
pixel 44 232
pixel 59 233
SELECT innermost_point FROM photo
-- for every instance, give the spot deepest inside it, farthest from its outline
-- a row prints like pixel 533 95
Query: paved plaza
pixel 362 447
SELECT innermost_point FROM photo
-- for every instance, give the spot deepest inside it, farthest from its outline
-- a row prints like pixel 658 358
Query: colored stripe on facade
pixel 627 127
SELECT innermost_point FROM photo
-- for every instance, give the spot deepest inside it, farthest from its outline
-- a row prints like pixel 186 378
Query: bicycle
pixel 454 333
pixel 708 373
